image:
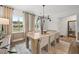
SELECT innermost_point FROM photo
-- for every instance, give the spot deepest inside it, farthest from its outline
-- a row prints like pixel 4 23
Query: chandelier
pixel 43 18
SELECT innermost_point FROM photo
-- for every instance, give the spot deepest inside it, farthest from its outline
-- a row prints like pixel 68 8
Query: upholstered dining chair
pixel 6 45
pixel 44 41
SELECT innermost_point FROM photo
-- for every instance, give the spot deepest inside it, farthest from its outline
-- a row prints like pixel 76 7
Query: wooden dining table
pixel 35 41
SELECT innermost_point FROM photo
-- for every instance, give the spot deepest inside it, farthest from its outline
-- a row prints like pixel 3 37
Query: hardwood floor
pixel 68 39
pixel 64 46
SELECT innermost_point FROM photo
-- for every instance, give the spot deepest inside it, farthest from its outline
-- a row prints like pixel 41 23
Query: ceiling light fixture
pixel 48 18
pixel 43 18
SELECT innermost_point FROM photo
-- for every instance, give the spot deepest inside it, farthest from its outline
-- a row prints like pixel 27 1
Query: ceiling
pixel 52 10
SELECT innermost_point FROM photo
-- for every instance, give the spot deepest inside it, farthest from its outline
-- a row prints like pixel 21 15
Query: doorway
pixel 72 28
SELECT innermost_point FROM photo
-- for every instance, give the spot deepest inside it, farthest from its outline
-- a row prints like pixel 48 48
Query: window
pixel 17 25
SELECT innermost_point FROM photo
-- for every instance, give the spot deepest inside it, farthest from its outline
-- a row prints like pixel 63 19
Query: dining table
pixel 36 40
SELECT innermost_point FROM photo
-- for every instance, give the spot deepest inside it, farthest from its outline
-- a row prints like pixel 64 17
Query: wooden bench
pixel 17 37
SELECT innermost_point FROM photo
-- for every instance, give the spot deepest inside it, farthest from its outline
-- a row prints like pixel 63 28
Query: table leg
pixel 55 46
pixel 49 46
pixel 38 47
pixel 27 43
pixel 35 46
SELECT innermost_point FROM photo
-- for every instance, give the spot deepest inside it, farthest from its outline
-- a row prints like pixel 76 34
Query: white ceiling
pixel 52 10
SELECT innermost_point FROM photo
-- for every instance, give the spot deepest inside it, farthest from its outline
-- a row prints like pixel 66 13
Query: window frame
pixel 18 17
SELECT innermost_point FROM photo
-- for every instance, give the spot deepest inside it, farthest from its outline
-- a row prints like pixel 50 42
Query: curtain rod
pixel 14 9
pixel 7 7
pixel 29 13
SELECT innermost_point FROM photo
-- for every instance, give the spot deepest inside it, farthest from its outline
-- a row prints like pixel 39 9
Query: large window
pixel 17 24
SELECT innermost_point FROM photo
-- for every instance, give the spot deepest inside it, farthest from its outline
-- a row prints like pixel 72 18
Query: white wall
pixel 63 24
pixel 52 25
pixel 60 24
